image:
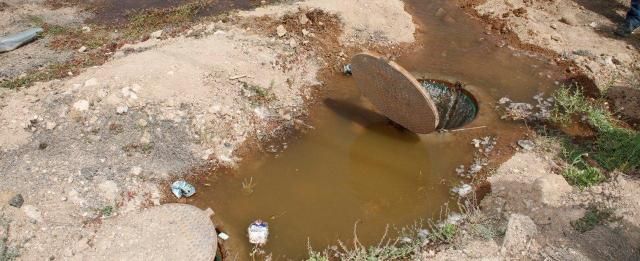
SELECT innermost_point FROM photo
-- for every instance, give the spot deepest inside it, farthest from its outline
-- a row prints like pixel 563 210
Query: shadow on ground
pixel 611 10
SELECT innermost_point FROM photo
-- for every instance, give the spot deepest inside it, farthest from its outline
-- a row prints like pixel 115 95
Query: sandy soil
pixel 528 216
pixel 99 145
pixel 18 15
pixel 563 27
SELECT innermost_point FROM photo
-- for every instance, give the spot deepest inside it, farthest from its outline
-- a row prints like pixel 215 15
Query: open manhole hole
pixel 421 106
pixel 456 106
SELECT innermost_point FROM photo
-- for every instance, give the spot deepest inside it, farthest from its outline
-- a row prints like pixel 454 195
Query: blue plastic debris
pixel 14 41
pixel 258 232
pixel 181 189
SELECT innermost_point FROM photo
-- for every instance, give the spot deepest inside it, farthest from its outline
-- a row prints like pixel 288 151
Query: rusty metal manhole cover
pixel 395 93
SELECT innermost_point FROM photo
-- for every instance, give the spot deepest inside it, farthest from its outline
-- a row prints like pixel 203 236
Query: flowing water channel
pixel 354 167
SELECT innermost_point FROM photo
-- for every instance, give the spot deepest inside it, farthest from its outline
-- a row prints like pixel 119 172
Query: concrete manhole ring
pixel 167 232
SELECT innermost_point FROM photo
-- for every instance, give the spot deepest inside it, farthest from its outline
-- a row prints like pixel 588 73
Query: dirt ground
pixel 529 214
pixel 562 27
pixel 15 16
pixel 98 145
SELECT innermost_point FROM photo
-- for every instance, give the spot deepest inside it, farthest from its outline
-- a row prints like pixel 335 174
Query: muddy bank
pixel 533 213
pixel 97 145
pixel 577 33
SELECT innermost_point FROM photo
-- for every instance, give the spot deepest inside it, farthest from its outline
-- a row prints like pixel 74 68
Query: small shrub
pixel 567 103
pixel 258 95
pixel 579 173
pixel 444 233
pixel 106 211
pixel 594 216
pixel 618 149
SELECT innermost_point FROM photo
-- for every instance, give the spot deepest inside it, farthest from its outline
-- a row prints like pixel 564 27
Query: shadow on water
pixel 370 119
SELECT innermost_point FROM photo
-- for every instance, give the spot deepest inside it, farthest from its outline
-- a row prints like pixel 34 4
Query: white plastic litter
pixel 14 41
pixel 463 190
pixel 181 189
pixel 223 236
pixel 258 232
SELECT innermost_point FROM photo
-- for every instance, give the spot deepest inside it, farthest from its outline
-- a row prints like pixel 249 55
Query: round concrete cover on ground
pixel 167 232
pixel 395 92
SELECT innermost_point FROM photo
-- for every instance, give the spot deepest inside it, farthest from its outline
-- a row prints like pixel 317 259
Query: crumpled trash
pixel 181 189
pixel 258 232
pixel 463 190
pixel 223 236
pixel 347 70
pixel 14 41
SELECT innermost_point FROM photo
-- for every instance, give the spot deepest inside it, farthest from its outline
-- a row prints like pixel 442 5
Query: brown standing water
pixel 354 167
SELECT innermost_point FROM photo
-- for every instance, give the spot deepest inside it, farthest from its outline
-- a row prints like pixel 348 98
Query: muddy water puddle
pixel 355 167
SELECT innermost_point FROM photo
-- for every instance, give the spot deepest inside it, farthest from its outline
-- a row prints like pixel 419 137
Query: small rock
pixel 303 19
pixel 440 12
pixel 156 34
pixel 556 37
pixel 526 144
pixel 305 32
pixel 91 82
pixel 293 43
pixel 122 109
pixel 593 24
pixel 552 189
pixel 82 49
pixel 146 138
pixel 569 19
pixel 109 190
pixel 81 105
pixel 281 30
pixel 16 201
pixel 86 29
pixel 32 212
pixel 50 125
pixel 136 171
pixel 142 123
pixel 520 231
pixel 554 26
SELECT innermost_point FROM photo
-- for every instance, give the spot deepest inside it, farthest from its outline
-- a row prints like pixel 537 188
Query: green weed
pixel 579 173
pixel 257 94
pixel 106 211
pixel 614 148
pixel 444 233
pixel 618 149
pixel 593 217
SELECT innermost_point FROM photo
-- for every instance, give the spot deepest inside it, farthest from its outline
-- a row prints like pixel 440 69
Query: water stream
pixel 355 167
